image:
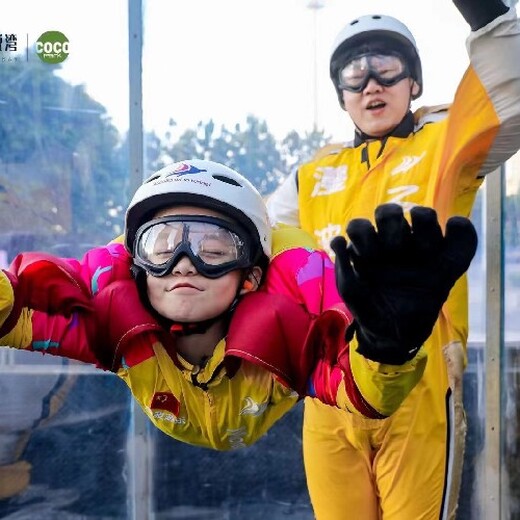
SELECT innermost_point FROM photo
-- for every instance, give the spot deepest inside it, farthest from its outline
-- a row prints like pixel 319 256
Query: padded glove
pixel 396 278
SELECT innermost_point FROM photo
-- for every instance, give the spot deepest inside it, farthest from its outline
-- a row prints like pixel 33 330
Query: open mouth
pixel 374 105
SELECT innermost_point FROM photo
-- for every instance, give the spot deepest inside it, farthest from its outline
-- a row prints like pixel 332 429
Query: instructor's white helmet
pixel 375 32
pixel 206 184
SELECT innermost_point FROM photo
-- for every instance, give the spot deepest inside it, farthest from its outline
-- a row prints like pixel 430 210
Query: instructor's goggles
pixel 386 69
pixel 214 245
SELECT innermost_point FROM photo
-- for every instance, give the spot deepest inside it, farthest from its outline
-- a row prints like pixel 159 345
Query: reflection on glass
pixel 511 361
pixel 63 176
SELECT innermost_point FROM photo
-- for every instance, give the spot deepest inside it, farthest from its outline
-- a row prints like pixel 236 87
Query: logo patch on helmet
pixel 185 169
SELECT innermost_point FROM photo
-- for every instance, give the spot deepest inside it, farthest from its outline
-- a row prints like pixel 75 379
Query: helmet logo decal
pixel 184 169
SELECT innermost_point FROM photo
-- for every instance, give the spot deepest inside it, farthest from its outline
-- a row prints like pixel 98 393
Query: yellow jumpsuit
pixel 408 467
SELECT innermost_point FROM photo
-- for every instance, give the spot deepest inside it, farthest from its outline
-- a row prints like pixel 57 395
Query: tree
pixel 297 149
pixel 59 166
pixel 251 149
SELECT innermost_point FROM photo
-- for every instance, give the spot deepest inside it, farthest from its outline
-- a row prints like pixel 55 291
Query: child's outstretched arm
pixel 394 278
pixel 45 306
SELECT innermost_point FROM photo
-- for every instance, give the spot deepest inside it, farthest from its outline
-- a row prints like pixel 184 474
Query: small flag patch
pixel 165 401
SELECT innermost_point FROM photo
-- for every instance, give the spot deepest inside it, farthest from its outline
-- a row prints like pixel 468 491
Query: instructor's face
pixel 377 110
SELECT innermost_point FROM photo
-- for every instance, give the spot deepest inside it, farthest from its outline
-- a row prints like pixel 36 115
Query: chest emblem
pixel 251 407
pixel 236 438
pixel 329 180
pixel 400 192
pixel 409 161
pixel 325 235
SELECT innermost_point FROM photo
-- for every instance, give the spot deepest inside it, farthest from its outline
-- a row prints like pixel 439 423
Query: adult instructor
pixel 407 467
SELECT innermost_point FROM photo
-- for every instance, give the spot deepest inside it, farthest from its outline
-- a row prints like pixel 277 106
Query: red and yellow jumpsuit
pixel 408 467
pixel 284 341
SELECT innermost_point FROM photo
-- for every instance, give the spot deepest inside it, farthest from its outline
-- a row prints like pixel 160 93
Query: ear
pixel 252 281
pixel 415 88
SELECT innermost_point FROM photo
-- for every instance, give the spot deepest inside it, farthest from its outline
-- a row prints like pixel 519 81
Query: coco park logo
pixel 52 47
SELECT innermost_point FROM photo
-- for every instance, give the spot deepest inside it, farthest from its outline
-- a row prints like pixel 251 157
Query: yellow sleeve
pixel 288 237
pixel 383 386
pixel 20 336
pixel 118 240
pixel 6 298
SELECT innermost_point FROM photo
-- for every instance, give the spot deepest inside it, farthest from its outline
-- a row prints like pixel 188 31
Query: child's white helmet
pixel 206 184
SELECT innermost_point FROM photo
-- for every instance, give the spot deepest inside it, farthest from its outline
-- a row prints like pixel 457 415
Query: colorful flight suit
pixel 284 341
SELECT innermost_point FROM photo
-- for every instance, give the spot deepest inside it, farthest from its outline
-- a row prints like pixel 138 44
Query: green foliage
pixel 54 135
pixel 251 149
pixel 298 149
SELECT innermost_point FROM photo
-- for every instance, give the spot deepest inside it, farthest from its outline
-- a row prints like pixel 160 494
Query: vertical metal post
pixel 135 69
pixel 315 5
pixel 494 196
pixel 140 449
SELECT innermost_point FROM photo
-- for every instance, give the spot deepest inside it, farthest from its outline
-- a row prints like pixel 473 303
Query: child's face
pixel 377 110
pixel 184 295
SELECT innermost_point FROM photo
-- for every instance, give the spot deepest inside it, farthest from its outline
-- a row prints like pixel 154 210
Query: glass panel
pixel 63 176
pixel 474 383
pixel 264 479
pixel 511 362
pixel 62 446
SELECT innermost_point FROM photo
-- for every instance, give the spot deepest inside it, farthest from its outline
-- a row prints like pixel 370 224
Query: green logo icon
pixel 52 47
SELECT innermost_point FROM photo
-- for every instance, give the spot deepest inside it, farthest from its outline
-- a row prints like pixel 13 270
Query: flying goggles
pixel 215 246
pixel 386 69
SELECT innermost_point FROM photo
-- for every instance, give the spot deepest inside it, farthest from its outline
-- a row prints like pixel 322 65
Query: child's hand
pixel 395 279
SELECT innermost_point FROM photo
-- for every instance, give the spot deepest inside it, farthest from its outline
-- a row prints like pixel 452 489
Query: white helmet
pixel 206 184
pixel 381 32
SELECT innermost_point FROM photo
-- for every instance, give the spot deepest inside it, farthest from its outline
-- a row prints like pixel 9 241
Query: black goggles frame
pixel 184 249
pixel 385 82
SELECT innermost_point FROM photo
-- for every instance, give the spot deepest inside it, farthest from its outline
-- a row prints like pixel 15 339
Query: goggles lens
pixel 214 246
pixel 386 69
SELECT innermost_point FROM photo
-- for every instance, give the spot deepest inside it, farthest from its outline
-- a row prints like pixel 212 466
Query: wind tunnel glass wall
pixel 63 186
pixel 510 500
pixel 67 430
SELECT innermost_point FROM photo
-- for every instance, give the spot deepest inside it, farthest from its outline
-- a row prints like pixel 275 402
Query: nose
pixel 372 86
pixel 184 267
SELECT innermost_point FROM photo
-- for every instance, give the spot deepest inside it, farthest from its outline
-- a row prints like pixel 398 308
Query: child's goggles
pixel 214 245
pixel 386 69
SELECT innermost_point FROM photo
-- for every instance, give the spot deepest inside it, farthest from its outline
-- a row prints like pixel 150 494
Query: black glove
pixel 396 279
pixel 479 13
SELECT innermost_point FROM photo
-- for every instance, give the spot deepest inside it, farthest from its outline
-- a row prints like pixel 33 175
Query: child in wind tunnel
pixel 219 327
